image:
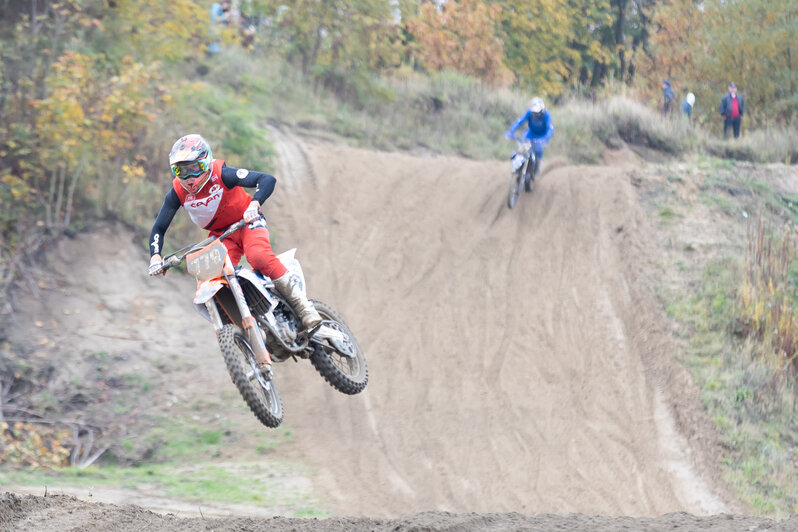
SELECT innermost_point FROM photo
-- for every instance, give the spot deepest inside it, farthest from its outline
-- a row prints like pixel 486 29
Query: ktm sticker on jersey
pixel 241 173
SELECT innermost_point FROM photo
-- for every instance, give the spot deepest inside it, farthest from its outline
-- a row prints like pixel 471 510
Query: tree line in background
pixel 554 47
pixel 83 81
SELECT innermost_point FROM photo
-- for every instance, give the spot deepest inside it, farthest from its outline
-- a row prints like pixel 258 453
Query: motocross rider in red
pixel 212 194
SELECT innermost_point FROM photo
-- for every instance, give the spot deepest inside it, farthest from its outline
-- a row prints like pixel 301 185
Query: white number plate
pixel 518 161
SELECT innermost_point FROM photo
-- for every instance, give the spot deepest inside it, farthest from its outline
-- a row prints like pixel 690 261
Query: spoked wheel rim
pixel 264 388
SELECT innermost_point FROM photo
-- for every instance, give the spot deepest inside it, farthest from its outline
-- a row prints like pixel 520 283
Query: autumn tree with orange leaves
pixel 461 36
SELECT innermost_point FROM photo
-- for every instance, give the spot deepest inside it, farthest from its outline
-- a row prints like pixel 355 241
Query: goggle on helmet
pixel 185 170
pixel 190 161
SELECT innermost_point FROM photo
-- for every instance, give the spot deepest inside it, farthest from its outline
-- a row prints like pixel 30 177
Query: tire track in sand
pixel 543 405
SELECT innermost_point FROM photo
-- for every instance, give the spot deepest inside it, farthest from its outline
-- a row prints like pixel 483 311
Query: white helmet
pixel 690 98
pixel 537 106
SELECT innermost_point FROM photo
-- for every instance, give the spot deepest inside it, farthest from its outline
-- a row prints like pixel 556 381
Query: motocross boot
pixel 289 288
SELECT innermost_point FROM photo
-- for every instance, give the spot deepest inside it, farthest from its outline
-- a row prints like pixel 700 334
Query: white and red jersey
pixel 215 206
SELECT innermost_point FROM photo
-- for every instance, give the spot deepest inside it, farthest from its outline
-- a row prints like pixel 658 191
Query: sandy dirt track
pixel 517 361
pixel 509 371
pixel 31 513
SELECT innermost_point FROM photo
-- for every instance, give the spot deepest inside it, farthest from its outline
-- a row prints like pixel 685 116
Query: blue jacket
pixel 667 92
pixel 541 130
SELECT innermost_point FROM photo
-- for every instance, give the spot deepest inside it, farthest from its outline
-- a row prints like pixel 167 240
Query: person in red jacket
pixel 212 194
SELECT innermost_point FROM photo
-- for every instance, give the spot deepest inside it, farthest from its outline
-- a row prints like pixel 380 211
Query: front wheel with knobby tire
pixel 529 184
pixel 341 363
pixel 258 391
pixel 515 186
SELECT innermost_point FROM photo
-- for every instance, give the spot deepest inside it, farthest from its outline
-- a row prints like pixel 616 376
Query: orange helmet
pixel 190 160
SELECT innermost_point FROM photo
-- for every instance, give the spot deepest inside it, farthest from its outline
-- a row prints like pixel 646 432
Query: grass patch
pixel 183 462
pixel 737 318
pixel 135 380
pixel 667 213
pixel 740 188
pixel 750 407
pixel 265 483
pixel 177 440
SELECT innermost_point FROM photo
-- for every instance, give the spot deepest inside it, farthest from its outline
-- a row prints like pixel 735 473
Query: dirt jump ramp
pixel 508 367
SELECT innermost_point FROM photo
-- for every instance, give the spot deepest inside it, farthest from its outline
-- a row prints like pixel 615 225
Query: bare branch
pixel 58 202
pixel 72 185
pixel 91 459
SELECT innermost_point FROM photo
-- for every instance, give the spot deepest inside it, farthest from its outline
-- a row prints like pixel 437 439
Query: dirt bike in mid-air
pixel 524 170
pixel 255 326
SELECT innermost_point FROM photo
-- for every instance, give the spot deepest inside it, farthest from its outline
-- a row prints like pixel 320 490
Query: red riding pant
pixel 254 243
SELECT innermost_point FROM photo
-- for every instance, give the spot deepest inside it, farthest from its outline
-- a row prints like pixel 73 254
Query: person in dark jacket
pixel 667 94
pixel 732 109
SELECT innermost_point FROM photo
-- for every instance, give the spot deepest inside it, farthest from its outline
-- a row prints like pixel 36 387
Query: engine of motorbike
pixel 286 325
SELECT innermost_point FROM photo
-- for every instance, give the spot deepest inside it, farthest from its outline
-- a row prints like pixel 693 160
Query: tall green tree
pixel 591 42
pixel 752 42
pixel 536 36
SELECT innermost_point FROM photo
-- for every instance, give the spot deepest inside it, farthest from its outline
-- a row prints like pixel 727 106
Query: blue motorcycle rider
pixel 539 131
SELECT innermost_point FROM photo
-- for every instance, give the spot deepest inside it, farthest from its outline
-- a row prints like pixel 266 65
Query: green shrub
pixel 739 151
pixel 768 302
pixel 765 145
pixel 751 403
pixel 641 126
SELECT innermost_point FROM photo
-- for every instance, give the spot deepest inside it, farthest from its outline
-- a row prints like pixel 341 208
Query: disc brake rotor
pixel 344 346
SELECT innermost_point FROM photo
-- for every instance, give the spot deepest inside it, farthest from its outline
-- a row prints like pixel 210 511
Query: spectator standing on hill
pixel 667 94
pixel 221 15
pixel 687 105
pixel 732 109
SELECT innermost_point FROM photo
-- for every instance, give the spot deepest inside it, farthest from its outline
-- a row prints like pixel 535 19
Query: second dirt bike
pixel 255 326
pixel 524 171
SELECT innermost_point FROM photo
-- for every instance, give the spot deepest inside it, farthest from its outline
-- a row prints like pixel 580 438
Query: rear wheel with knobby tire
pixel 342 365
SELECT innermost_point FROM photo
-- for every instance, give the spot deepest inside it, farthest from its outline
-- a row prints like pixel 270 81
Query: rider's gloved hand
pixel 509 135
pixel 156 266
pixel 253 212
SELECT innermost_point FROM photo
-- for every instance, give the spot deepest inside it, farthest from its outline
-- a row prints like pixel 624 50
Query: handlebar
pixel 172 260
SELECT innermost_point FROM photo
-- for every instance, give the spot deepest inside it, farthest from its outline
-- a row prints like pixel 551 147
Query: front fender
pixel 206 290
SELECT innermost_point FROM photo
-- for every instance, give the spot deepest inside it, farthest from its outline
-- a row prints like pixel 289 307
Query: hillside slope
pixel 517 362
pixel 515 359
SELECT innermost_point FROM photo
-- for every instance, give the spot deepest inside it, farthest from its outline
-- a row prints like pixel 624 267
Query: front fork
pixel 247 320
